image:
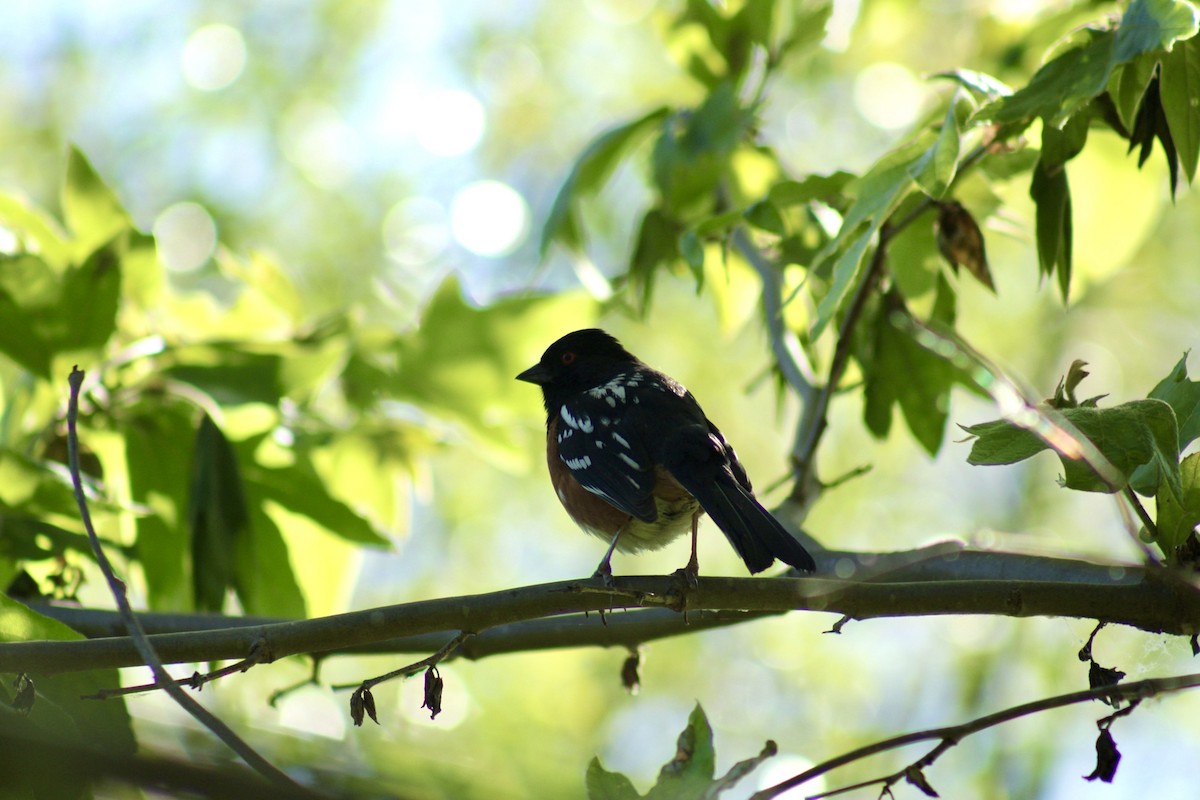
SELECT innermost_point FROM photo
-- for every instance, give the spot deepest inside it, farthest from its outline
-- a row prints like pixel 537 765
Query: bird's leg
pixel 692 570
pixel 688 575
pixel 604 569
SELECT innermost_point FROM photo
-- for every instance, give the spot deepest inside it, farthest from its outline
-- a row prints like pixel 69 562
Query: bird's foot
pixel 604 573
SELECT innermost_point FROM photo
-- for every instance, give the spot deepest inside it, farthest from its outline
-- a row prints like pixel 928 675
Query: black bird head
pixel 577 362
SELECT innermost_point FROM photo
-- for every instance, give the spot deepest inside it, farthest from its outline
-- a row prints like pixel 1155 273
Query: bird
pixel 634 459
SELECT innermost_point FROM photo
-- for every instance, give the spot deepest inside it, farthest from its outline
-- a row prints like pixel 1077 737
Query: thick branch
pixel 946 580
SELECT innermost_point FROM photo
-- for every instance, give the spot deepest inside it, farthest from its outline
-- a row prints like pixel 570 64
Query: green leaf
pixel 980 84
pixel 657 244
pixel 28 296
pixel 693 150
pixel 605 785
pixel 824 188
pixel 935 169
pixel 1060 145
pixel 1059 88
pixel 159 440
pixel 1052 195
pixel 765 216
pixel 590 171
pixel 262 573
pixel 809 26
pixel 37 488
pixel 879 193
pixel 299 489
pixel 90 295
pixel 27 538
pixel 93 213
pixel 902 371
pixel 1131 87
pixel 1180 93
pixel 1178 515
pixel 1152 25
pixel 35 230
pixel 692 251
pixel 218 516
pixel 1183 395
pixel 690 772
pixel 46 312
pixel 59 710
pixel 229 373
pixel 1129 435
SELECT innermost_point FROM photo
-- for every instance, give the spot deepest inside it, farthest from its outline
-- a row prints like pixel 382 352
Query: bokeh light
pixel 416 231
pixel 449 123
pixel 320 143
pixel 489 218
pixel 888 95
pixel 185 236
pixel 213 57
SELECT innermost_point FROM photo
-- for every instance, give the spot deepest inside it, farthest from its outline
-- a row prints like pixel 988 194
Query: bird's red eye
pixel 568 357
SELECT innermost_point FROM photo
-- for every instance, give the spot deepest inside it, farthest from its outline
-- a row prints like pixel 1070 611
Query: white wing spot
pixel 583 462
pixel 621 440
pixel 630 461
pixel 599 445
pixel 580 423
pixel 612 391
pixel 633 481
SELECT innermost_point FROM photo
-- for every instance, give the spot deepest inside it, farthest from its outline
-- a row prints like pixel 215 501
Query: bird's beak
pixel 535 374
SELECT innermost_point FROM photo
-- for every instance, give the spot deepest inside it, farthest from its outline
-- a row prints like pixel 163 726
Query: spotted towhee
pixel 634 460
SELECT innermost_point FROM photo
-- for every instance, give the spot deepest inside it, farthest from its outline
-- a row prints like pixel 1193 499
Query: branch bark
pixel 945 579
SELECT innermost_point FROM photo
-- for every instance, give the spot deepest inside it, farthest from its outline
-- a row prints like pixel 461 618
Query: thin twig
pixel 814 419
pixel 258 655
pixel 144 648
pixel 951 735
pixel 410 669
pixel 1140 510
pixel 793 364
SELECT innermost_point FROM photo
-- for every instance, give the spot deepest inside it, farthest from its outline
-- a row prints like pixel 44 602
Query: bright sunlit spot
pixel 213 57
pixel 841 24
pixel 8 240
pixel 785 766
pixel 450 123
pixel 888 95
pixel 619 12
pixel 415 231
pixel 185 236
pixel 318 141
pixel 489 218
pixel 1016 12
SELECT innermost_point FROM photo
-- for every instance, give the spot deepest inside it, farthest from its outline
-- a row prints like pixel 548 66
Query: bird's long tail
pixel 754 533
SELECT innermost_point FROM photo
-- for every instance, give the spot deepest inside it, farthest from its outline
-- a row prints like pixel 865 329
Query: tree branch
pixel 953 734
pixel 940 580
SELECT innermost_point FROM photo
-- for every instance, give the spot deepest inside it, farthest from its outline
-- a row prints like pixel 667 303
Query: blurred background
pixel 375 149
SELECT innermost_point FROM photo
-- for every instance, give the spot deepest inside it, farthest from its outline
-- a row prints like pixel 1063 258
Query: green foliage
pixel 58 711
pixel 688 775
pixel 217 420
pixel 1140 441
pixel 1104 75
pixel 903 372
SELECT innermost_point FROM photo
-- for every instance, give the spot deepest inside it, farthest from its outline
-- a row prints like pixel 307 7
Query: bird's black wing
pixel 599 442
